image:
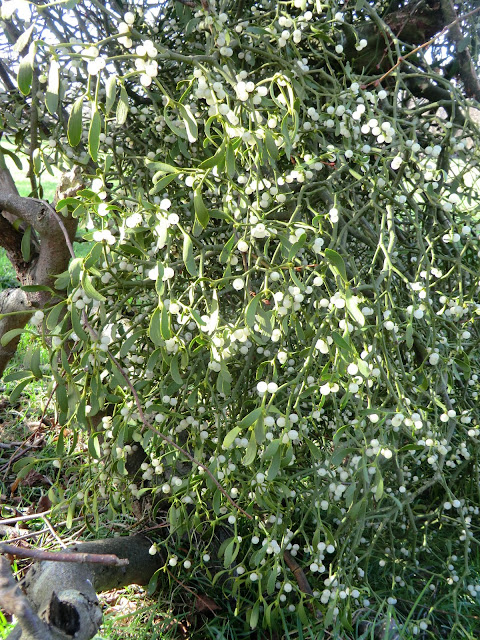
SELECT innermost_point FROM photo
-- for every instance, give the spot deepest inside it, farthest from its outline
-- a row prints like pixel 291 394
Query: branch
pixel 4 75
pixel 39 554
pixel 29 210
pixel 454 24
pixel 17 604
pixel 466 67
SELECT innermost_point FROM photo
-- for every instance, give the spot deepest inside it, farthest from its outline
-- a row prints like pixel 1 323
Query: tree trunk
pixel 47 254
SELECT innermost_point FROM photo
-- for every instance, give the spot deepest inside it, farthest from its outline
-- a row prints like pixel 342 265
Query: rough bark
pixel 60 598
pixel 49 255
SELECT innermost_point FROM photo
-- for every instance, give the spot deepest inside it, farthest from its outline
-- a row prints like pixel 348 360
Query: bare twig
pixel 425 45
pixel 54 533
pixel 32 516
pixel 58 556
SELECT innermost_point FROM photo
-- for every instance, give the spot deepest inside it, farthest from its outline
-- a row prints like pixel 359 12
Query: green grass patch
pixel 7 273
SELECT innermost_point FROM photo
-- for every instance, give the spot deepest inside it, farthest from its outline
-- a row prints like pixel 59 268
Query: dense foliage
pixel 283 264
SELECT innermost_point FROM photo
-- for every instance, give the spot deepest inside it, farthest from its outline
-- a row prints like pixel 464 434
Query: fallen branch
pixel 58 556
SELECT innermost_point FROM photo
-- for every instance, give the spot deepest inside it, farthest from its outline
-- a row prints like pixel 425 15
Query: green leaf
pixel 227 250
pixel 110 93
pixel 13 156
pixel 379 487
pixel 314 450
pixel 94 134
pixel 341 342
pixel 24 462
pixel 188 257
pixel 181 133
pixel 275 464
pixel 337 264
pixel 26 244
pixel 162 183
pixel 230 437
pixel 165 324
pixel 260 429
pixel 251 451
pixel 25 73
pixel 253 621
pixel 35 364
pixel 10 335
pixel 271 146
pixel 60 448
pixel 94 447
pixel 77 325
pixel 89 289
pixel 51 98
pixel 175 371
pixel 352 308
pixel 201 211
pixel 409 335
pixel 161 167
pixel 17 392
pixel 36 287
pixel 75 122
pixel 37 161
pixel 250 418
pixel 129 342
pixel 230 160
pixel 229 553
pixel 54 314
pixel 215 160
pixel 286 136
pixel 154 328
pixel 355 174
pixel 272 579
pixel 22 41
pixel 190 122
pixel 152 585
pixel 122 107
pixel 251 311
pixel 70 514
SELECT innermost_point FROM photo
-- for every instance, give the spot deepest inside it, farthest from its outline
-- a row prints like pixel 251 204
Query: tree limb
pixel 466 67
pixel 18 605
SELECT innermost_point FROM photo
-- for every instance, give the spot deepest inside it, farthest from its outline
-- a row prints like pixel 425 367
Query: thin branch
pixel 297 571
pixel 31 516
pixel 7 80
pixel 425 45
pixel 60 556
